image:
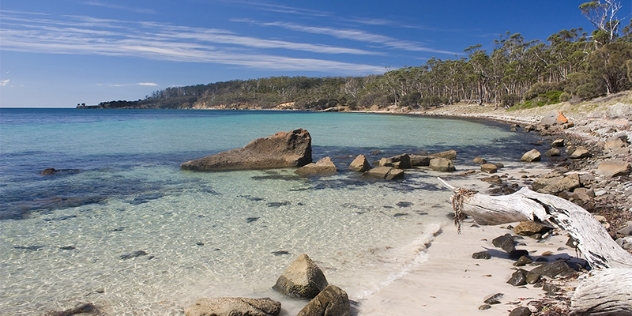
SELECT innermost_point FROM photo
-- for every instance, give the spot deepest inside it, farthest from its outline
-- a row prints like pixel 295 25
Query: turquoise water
pixel 121 226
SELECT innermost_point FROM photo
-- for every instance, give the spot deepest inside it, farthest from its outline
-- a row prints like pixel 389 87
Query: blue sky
pixel 57 53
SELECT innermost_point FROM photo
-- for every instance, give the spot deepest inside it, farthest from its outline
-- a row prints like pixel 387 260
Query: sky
pixel 58 53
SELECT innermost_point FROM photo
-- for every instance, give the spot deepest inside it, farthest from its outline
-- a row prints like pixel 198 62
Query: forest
pixel 572 65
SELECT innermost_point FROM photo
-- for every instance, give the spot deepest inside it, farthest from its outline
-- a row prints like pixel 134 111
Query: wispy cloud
pixel 4 82
pixel 119 7
pixel 148 84
pixel 92 36
pixel 270 7
pixel 358 35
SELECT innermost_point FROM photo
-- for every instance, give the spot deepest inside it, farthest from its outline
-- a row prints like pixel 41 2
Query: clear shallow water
pixel 120 191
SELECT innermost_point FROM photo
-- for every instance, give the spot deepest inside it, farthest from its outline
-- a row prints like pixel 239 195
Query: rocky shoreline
pixel 594 174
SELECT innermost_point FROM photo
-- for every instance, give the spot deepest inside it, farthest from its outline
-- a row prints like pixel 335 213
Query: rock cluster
pixel 293 149
pixel 301 279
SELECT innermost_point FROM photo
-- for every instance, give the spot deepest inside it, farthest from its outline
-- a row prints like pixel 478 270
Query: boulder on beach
pixel 614 168
pixel 580 152
pixel 233 306
pixel 529 228
pixel 281 150
pixel 531 156
pixel 332 301
pixel 322 167
pixel 303 278
pixel 489 168
pixel 386 173
pixel 360 164
pixel 614 143
pixel 558 184
pixel 554 118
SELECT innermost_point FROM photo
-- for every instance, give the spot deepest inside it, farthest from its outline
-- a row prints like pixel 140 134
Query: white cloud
pixel 119 7
pixel 358 35
pixel 93 36
pixel 4 82
pixel 149 84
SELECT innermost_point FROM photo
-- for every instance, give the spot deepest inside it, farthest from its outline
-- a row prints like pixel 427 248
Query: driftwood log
pixel 608 291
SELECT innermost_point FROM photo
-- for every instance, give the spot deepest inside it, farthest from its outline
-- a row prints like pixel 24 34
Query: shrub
pixel 565 97
pixel 587 91
pixel 508 100
pixel 540 88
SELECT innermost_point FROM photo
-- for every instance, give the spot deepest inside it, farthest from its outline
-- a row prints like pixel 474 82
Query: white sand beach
pixel 451 282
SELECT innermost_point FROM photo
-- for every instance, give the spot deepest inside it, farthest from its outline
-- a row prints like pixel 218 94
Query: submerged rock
pixel 134 254
pixel 281 150
pixel 233 306
pixel 48 171
pixel 85 308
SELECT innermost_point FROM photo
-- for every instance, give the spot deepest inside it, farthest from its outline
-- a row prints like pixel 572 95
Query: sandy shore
pixel 451 282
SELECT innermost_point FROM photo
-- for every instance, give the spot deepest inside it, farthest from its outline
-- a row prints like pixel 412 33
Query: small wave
pixel 413 255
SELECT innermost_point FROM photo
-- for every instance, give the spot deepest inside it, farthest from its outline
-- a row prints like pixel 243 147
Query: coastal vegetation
pixel 572 65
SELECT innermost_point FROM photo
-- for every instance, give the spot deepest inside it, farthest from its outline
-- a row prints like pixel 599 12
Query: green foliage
pixel 565 97
pixel 541 88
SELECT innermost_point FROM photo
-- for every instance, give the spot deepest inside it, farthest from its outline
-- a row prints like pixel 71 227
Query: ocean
pixel 121 226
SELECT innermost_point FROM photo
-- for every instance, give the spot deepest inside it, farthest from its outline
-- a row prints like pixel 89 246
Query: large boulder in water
pixel 281 150
pixel 234 306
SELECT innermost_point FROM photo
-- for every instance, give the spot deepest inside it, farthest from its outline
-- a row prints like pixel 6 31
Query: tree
pixel 608 65
pixel 602 14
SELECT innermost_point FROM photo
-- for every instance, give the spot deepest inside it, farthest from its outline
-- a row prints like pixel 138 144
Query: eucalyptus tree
pixel 603 15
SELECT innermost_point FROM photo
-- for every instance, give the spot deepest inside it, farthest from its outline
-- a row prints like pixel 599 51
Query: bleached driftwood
pixel 604 292
pixel 593 241
pixel 607 291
